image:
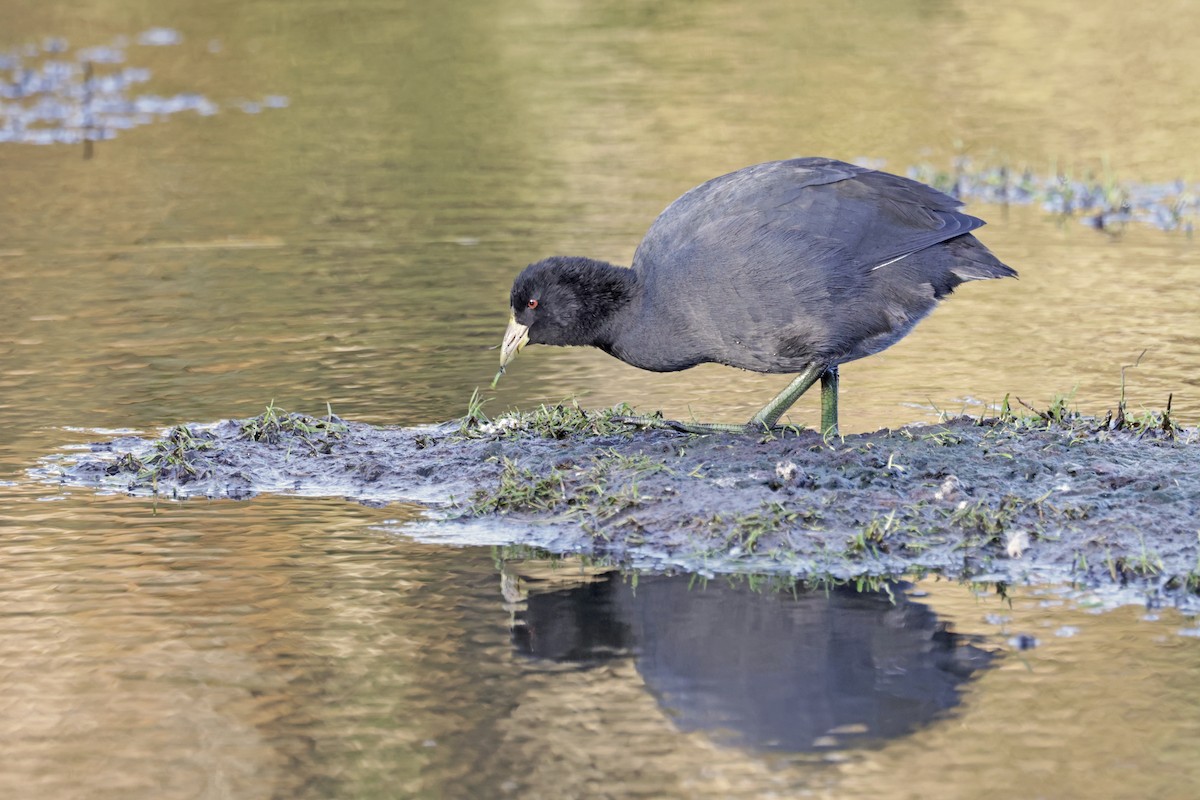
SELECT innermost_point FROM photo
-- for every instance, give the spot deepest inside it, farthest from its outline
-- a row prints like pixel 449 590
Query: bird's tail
pixel 972 261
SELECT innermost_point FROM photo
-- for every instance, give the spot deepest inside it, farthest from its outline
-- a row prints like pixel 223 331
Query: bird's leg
pixel 765 419
pixel 829 401
pixel 772 411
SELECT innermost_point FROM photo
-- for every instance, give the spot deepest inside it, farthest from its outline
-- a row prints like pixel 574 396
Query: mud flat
pixel 1045 497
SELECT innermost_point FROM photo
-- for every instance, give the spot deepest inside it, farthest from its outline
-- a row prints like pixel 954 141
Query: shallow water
pixel 355 248
pixel 284 648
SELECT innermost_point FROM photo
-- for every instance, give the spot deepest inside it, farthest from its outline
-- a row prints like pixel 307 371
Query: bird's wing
pixel 873 217
pixel 880 218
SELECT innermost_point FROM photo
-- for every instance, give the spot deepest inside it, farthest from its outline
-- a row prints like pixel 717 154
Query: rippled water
pixel 355 248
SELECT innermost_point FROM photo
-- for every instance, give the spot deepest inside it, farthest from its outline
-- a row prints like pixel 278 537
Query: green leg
pixel 772 411
pixel 766 418
pixel 829 393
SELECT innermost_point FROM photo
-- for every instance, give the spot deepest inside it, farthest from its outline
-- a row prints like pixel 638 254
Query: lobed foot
pixel 655 422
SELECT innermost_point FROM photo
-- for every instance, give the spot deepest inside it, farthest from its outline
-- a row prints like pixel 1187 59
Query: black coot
pixel 789 266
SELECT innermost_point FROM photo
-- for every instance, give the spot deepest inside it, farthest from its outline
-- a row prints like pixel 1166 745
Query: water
pixel 355 247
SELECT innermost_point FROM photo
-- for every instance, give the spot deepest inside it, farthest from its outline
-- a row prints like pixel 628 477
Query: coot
pixel 784 267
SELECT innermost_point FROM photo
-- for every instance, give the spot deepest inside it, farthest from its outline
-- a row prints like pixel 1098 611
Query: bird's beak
pixel 516 336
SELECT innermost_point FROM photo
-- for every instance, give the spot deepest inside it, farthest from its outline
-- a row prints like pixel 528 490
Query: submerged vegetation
pixel 1098 198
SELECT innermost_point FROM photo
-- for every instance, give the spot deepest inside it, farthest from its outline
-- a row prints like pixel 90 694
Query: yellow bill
pixel 516 336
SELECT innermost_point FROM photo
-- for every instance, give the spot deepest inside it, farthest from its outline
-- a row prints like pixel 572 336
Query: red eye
pixel 532 302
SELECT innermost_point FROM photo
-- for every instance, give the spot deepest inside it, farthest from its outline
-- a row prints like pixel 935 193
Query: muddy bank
pixel 1048 497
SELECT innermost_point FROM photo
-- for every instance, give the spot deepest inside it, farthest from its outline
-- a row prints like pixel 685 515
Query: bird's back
pixel 776 264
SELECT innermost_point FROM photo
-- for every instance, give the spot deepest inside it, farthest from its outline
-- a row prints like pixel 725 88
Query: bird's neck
pixel 608 292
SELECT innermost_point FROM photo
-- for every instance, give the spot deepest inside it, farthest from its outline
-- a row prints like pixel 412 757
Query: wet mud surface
pixel 1039 499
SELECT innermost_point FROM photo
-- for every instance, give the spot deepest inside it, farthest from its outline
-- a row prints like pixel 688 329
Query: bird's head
pixel 563 301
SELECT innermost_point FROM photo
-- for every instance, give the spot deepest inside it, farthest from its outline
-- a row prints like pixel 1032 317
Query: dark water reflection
pixel 793 669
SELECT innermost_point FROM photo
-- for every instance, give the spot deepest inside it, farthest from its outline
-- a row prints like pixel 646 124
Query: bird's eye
pixel 532 302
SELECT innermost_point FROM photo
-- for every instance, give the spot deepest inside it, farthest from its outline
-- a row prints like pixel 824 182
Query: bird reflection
pixel 798 670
